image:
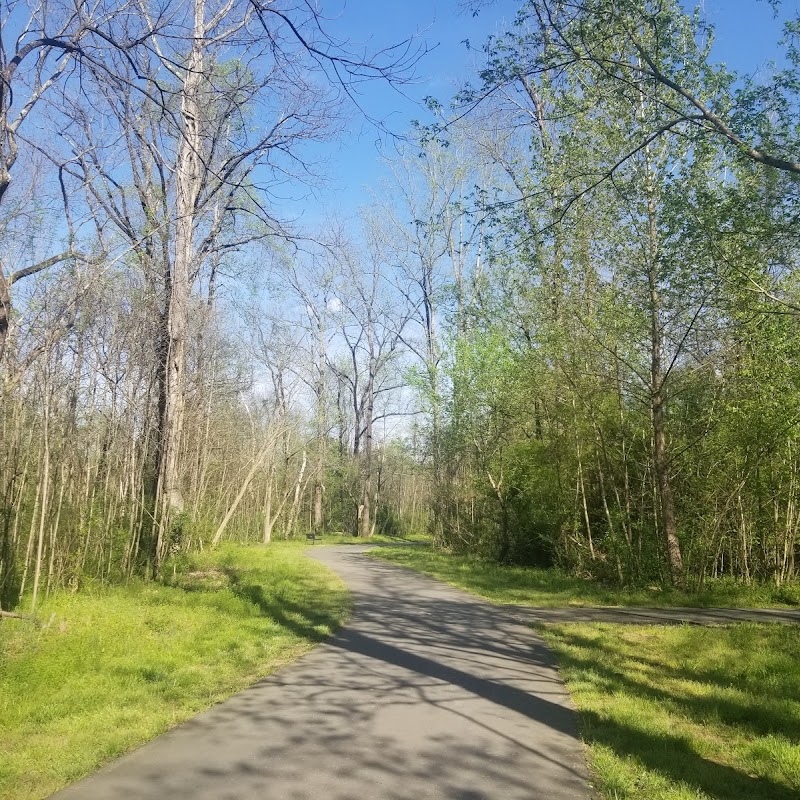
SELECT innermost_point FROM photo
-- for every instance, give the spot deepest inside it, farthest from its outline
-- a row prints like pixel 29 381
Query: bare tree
pixel 219 163
pixel 39 44
pixel 371 319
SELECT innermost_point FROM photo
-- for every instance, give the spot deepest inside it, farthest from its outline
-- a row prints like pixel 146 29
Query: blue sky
pixel 355 161
pixel 747 32
pixel 746 39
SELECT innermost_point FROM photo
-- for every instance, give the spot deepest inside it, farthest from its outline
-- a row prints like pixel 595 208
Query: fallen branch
pixel 14 615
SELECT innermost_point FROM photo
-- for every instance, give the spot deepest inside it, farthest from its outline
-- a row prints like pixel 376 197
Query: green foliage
pixel 686 713
pixel 642 288
pixel 117 666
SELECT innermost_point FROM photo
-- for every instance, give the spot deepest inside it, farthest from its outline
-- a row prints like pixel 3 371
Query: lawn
pixel 686 713
pixel 120 665
pixel 551 588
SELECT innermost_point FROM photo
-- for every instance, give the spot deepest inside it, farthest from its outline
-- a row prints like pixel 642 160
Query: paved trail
pixel 426 694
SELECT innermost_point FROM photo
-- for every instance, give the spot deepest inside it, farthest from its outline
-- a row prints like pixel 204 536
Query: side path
pixel 656 616
pixel 426 694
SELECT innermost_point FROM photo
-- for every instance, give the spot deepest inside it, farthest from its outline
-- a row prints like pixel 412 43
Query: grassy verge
pixel 687 713
pixel 378 538
pixel 550 588
pixel 120 665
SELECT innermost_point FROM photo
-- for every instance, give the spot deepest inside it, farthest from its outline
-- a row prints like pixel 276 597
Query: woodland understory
pixel 565 333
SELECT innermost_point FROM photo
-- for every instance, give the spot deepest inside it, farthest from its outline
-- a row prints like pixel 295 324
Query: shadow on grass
pixel 760 715
pixel 646 680
pixel 674 758
pixel 306 621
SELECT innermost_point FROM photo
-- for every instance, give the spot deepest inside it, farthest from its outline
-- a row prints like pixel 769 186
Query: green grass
pixel 686 713
pixel 121 665
pixel 551 588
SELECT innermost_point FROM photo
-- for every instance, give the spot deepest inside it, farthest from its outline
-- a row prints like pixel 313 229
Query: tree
pixel 371 318
pixel 199 167
pixel 610 293
pixel 39 44
pixel 436 231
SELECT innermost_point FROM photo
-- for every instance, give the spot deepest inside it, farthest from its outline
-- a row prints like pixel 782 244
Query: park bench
pixel 313 537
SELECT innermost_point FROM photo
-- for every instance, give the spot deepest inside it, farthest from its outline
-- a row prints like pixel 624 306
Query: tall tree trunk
pixel 45 494
pixel 187 185
pixel 365 519
pixel 267 536
pixel 669 524
pixel 5 310
pixel 316 510
pixel 298 491
pixel 317 519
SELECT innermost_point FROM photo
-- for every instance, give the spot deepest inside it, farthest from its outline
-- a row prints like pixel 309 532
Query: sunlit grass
pixel 551 588
pixel 686 713
pixel 120 665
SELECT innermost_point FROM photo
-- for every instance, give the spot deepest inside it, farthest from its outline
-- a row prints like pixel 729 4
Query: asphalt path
pixel 426 694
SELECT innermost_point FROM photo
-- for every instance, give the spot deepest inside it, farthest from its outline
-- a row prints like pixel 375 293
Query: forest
pixel 564 333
